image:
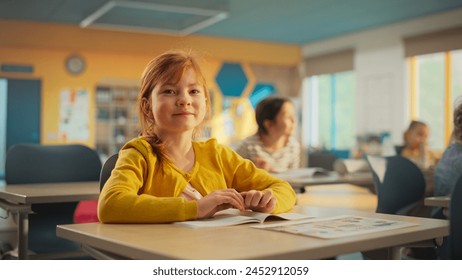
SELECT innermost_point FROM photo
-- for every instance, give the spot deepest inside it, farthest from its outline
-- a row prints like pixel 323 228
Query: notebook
pixel 230 217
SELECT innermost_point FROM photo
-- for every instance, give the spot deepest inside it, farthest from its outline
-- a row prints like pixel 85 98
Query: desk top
pixel 49 192
pixel 169 241
pixel 438 201
pixel 364 179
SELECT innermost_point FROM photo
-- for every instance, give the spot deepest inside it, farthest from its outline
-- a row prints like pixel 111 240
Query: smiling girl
pixel 166 176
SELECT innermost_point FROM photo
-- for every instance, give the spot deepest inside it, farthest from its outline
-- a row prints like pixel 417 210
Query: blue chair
pixel 399 183
pixel 35 163
pixel 400 188
pixel 455 219
pixel 107 169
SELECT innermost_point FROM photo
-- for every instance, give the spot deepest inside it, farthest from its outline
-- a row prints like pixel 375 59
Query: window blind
pixel 329 63
pixel 440 41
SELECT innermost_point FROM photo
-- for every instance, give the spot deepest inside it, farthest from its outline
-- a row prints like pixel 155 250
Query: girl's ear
pixel 267 124
pixel 406 137
pixel 146 107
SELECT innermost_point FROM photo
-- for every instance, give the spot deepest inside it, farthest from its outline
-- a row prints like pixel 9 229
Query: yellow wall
pixel 114 57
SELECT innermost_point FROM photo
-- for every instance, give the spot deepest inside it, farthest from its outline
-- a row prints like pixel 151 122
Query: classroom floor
pixel 340 196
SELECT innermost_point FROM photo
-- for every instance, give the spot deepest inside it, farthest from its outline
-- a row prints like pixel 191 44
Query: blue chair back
pixel 35 163
pixel 107 169
pixel 399 183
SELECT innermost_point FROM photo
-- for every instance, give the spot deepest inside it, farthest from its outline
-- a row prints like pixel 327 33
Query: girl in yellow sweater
pixel 165 176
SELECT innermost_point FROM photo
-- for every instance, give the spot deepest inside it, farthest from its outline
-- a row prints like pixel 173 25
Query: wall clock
pixel 75 64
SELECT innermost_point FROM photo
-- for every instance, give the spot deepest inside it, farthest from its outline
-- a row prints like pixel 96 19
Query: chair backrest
pixel 107 169
pixel 399 183
pixel 35 163
pixel 323 159
pixel 455 218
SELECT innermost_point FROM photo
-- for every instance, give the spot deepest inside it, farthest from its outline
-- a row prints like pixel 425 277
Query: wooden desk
pixel 438 201
pixel 169 241
pixel 364 179
pixel 19 198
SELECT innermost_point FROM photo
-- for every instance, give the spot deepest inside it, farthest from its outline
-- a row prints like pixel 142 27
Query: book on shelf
pixel 231 217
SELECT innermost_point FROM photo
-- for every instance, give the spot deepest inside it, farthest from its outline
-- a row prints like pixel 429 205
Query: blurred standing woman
pixel 273 147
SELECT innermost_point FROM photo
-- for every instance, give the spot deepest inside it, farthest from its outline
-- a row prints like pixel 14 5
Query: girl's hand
pixel 260 201
pixel 260 163
pixel 217 201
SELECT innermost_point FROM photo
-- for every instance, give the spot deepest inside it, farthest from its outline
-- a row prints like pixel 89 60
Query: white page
pixel 336 227
pixel 230 217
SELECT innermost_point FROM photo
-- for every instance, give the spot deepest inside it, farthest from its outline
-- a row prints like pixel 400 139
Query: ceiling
pixel 278 21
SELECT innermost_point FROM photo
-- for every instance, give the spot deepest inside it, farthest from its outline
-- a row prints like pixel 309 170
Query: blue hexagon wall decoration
pixel 231 79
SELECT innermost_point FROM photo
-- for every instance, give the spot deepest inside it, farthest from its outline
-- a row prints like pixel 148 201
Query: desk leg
pixel 23 232
pixel 395 253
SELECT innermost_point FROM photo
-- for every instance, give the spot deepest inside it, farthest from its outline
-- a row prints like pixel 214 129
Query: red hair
pixel 169 66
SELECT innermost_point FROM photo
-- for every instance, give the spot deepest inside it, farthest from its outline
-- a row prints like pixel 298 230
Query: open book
pixel 300 173
pixel 336 227
pixel 230 217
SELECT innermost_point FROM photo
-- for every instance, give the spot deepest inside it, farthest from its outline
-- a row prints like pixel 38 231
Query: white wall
pixel 382 71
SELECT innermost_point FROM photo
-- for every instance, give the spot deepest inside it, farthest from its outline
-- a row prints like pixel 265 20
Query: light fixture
pixel 136 16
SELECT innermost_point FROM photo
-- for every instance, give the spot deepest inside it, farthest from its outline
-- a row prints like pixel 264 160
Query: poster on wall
pixel 74 122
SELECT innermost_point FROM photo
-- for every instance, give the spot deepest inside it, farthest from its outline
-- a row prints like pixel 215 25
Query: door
pixel 23 111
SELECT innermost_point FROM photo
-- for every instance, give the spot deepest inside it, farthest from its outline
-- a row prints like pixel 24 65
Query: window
pixel 436 82
pixel 329 101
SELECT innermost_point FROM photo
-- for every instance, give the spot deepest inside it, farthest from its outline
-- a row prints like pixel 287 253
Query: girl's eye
pixel 195 91
pixel 168 91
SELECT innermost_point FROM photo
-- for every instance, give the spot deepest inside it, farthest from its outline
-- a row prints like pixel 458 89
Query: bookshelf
pixel 116 118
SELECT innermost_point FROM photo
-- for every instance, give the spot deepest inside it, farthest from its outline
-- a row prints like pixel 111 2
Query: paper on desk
pixel 349 166
pixel 336 227
pixel 299 173
pixel 379 165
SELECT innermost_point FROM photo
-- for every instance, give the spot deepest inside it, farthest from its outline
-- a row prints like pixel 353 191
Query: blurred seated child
pixel 449 168
pixel 273 147
pixel 416 147
pixel 448 171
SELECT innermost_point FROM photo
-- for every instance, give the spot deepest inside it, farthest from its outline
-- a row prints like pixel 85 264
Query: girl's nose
pixel 183 100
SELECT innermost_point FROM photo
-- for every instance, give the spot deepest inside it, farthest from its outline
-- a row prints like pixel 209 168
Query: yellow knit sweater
pixel 139 191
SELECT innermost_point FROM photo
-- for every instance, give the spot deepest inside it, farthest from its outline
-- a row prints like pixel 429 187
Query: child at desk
pixel 273 147
pixel 416 149
pixel 448 171
pixel 415 145
pixel 166 176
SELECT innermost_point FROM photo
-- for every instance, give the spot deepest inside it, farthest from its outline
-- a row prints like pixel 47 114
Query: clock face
pixel 75 64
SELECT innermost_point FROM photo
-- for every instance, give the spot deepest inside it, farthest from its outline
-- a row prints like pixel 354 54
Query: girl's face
pixel 418 136
pixel 179 106
pixel 284 123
